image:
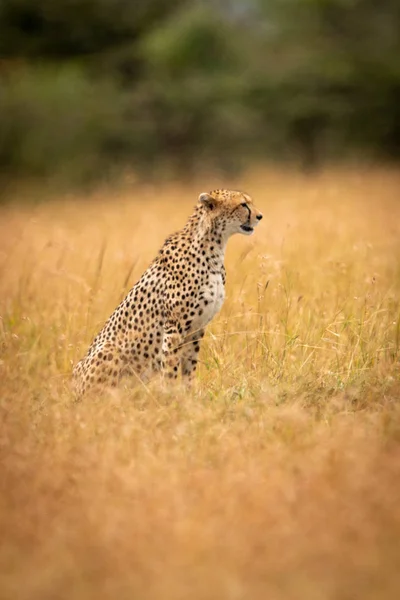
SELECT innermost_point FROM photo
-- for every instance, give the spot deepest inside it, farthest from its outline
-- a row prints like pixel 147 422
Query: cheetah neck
pixel 205 234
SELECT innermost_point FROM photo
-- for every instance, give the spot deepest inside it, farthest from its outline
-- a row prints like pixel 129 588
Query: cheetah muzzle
pixel 161 322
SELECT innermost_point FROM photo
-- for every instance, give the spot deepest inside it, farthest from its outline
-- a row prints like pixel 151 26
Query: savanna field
pixel 278 475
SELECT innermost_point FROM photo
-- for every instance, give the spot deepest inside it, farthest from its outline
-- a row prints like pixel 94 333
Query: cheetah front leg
pixel 190 354
pixel 171 350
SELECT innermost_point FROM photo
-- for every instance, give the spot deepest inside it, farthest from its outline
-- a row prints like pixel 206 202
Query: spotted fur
pixel 160 323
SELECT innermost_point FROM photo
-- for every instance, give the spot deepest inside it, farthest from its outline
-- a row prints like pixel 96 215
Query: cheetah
pixel 161 322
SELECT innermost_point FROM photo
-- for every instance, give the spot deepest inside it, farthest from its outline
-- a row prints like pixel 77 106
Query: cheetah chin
pixel 248 229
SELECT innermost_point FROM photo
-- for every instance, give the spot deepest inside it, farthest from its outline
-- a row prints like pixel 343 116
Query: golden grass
pixel 278 476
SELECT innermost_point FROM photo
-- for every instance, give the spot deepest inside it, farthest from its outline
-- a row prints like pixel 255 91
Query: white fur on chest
pixel 212 299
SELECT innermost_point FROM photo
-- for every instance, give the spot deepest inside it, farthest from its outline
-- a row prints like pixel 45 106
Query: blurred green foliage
pixel 92 86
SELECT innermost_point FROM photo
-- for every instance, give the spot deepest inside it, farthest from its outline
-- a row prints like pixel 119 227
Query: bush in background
pixel 90 87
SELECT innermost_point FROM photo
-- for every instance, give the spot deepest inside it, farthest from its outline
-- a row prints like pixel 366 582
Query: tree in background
pixel 92 86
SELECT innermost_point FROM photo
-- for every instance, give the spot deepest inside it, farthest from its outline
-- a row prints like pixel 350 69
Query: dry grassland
pixel 278 476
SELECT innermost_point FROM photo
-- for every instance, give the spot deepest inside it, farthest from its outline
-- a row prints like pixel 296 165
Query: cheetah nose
pixel 259 217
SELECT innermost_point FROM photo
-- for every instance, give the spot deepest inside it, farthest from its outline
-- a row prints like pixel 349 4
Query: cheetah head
pixel 234 211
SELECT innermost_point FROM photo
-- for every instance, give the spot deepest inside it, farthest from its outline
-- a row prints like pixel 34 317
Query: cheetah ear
pixel 207 200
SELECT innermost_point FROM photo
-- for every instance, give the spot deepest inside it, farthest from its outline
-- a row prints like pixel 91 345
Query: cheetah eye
pixel 244 204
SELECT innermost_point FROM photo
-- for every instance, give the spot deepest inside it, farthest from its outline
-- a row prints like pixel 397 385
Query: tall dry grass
pixel 278 476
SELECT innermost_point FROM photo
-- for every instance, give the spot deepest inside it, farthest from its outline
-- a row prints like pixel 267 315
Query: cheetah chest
pixel 211 300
